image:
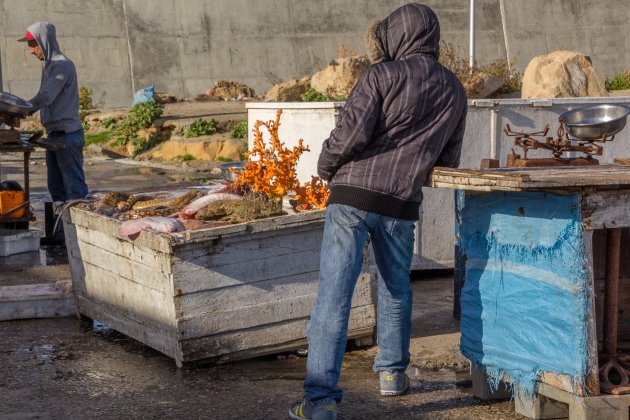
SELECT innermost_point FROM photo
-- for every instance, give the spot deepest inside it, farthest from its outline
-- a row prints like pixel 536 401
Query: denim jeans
pixel 346 231
pixel 66 180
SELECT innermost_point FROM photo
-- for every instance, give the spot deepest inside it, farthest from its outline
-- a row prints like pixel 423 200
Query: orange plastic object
pixel 10 200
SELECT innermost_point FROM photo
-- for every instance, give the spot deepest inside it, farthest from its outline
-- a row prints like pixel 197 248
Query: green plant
pixel 201 127
pixel 312 95
pixel 108 123
pixel 145 113
pixel 141 116
pixel 620 81
pixel 240 130
pixel 223 159
pixel 185 157
pixel 99 138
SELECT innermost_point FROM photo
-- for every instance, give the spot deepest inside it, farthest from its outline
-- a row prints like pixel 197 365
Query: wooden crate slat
pixel 131 299
pixel 361 318
pixel 269 312
pixel 190 279
pixel 122 267
pixel 160 338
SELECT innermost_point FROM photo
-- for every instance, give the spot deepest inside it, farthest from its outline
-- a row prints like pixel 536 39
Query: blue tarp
pixel 525 298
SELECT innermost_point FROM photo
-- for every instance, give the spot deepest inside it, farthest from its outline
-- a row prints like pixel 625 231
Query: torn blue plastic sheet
pixel 525 300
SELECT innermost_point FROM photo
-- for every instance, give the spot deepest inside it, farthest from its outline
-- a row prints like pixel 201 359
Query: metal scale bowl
pixel 581 130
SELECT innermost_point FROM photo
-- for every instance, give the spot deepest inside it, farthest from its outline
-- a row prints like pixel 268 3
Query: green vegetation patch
pixel 240 130
pixel 185 158
pixel 620 81
pixel 201 127
pixel 99 138
pixel 141 116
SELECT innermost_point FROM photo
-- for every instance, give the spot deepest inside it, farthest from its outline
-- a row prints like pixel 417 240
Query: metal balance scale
pixel 581 130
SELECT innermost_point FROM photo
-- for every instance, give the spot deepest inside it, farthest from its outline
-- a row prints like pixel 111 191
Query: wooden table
pixel 527 270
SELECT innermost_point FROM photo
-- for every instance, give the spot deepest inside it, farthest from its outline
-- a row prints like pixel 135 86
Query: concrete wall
pixel 183 46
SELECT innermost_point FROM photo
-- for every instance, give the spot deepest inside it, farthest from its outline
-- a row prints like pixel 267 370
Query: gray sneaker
pixel 394 383
pixel 304 410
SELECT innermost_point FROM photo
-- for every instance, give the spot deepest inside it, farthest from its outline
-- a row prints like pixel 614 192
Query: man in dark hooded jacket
pixel 405 115
pixel 58 103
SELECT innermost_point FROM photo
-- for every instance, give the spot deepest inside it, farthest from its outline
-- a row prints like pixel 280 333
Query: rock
pixel 165 98
pixel 482 85
pixel 290 91
pixel 561 74
pixel 340 76
pixel 228 90
pixel 231 150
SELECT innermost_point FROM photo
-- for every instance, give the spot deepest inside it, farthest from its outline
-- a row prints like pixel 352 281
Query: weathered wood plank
pixel 606 209
pixel 222 250
pixel 155 277
pixel 45 300
pixel 520 179
pixel 129 251
pixel 315 218
pixel 130 299
pixel 162 339
pixel 265 337
pixel 190 279
pixel 359 335
pixel 271 311
pixel 231 297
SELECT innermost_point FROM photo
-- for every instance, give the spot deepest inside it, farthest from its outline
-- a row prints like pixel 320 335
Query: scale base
pixel 531 163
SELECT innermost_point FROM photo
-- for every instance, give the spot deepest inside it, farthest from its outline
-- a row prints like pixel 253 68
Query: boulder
pixel 290 91
pixel 165 98
pixel 228 90
pixel 482 85
pixel 340 76
pixel 561 74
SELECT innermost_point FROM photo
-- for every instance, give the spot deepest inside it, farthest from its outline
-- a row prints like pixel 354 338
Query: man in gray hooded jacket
pixel 58 103
pixel 405 115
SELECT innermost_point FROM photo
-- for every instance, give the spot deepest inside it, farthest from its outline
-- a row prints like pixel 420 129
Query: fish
pixel 159 224
pixel 189 211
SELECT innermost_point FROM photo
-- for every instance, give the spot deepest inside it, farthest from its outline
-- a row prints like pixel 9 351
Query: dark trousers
pixel 66 180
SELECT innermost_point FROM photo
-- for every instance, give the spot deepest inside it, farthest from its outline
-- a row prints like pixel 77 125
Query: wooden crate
pixel 224 293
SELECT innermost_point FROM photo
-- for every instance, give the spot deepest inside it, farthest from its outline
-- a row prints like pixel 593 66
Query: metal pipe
pixel 493 132
pixel 472 35
pixel 508 57
pixel 611 294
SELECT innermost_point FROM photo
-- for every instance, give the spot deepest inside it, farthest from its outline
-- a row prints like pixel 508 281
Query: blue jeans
pixel 66 180
pixel 346 231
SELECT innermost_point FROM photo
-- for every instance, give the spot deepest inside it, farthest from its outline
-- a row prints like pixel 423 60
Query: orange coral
pixel 312 194
pixel 271 169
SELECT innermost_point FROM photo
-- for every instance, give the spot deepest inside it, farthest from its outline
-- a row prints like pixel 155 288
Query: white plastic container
pixel 17 241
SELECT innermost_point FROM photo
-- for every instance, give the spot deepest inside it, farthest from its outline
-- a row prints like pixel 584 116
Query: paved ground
pixel 66 369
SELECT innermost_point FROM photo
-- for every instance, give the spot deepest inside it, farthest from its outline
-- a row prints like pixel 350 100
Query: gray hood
pixel 409 30
pixel 46 36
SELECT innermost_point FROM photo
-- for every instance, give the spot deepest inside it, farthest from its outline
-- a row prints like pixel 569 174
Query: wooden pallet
pixel 44 300
pixel 551 402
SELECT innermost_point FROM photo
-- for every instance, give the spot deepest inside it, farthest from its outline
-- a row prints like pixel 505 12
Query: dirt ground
pixel 66 369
